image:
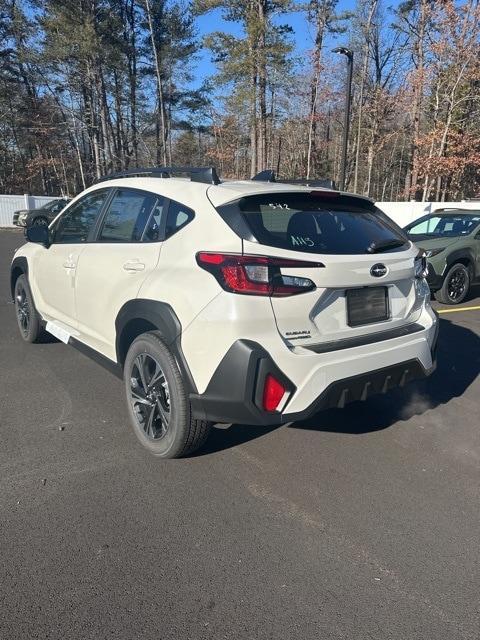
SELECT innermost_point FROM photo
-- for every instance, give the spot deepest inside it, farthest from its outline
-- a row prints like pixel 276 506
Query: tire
pixel 39 222
pixel 28 320
pixel 456 285
pixel 158 402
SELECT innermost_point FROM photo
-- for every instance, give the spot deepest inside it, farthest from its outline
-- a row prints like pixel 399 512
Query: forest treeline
pixel 92 86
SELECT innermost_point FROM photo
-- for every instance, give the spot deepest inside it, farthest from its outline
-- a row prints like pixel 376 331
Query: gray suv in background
pixel 41 216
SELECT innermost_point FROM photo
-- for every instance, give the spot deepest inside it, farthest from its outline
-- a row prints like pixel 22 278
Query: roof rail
pixel 207 175
pixel 268 175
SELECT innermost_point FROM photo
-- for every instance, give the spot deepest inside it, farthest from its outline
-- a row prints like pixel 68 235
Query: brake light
pixel 256 275
pixel 273 393
pixel 325 194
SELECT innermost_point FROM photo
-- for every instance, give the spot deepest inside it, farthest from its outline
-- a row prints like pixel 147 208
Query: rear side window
pixel 311 223
pixel 177 217
pixel 128 216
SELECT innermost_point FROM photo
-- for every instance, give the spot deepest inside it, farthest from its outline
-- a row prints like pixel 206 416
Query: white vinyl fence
pixel 9 204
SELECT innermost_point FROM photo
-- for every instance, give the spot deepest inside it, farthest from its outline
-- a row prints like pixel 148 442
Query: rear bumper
pixel 234 394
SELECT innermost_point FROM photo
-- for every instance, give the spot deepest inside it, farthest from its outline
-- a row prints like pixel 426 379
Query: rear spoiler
pixel 269 176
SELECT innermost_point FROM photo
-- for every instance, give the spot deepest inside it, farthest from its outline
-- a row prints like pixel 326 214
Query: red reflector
pixel 273 392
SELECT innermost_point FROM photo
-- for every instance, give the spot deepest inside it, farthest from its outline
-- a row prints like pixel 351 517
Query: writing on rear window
pixel 298 241
pixel 278 205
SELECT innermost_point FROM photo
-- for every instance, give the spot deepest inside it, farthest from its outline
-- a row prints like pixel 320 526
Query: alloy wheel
pixel 150 396
pixel 23 309
pixel 457 285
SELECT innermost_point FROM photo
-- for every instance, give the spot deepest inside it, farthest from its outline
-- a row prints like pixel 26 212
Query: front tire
pixel 28 320
pixel 456 285
pixel 158 402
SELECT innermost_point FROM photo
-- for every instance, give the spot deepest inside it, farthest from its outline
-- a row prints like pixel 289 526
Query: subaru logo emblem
pixel 378 270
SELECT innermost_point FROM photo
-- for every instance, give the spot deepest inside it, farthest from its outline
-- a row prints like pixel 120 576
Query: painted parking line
pixel 458 310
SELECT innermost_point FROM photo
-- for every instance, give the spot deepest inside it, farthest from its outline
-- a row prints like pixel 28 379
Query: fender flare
pixel 458 255
pixel 18 264
pixel 163 317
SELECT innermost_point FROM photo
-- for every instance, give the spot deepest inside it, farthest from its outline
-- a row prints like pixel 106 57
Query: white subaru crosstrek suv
pixel 254 302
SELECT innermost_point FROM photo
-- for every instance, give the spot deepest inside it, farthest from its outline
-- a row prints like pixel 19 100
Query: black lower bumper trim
pixel 234 392
pixel 363 386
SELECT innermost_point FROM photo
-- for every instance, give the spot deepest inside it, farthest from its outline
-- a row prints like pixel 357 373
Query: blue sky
pixel 301 37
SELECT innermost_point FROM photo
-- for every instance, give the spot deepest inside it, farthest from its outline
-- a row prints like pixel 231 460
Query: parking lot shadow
pixel 457 368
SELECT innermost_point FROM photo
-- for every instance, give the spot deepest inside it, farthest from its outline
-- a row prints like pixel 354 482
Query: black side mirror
pixel 39 234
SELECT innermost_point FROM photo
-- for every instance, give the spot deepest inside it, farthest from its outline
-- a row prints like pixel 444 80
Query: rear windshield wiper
pixel 383 245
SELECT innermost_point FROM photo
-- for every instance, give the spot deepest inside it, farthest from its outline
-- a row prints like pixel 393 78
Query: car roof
pixel 453 211
pixel 234 189
pixel 188 191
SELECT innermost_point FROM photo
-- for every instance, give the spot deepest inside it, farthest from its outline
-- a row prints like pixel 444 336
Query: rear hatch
pixel 362 264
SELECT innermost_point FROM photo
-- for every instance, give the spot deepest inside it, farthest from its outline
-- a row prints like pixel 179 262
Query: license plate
pixel 367 305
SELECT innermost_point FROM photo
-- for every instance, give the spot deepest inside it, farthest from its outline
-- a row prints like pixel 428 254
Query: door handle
pixel 133 265
pixel 70 262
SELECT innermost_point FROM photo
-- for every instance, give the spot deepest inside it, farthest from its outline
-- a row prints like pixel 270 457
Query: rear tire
pixel 28 320
pixel 456 285
pixel 158 402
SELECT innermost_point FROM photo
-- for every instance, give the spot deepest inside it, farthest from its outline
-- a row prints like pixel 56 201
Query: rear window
pixel 311 223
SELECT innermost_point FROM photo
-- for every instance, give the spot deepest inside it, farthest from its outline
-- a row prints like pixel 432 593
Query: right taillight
pixel 421 265
pixel 256 275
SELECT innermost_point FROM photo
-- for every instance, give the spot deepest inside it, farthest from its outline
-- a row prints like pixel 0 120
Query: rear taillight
pixel 421 265
pixel 273 392
pixel 256 275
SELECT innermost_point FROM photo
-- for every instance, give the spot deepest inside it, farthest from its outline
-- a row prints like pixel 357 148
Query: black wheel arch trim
pixel 164 319
pixel 460 254
pixel 19 264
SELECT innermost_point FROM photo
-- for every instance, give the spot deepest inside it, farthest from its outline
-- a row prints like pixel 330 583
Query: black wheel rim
pixel 150 397
pixel 457 285
pixel 23 309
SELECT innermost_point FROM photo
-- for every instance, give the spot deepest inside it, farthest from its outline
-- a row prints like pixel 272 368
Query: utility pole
pixel 346 122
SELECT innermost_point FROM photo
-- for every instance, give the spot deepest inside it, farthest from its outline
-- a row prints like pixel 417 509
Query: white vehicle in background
pixel 250 301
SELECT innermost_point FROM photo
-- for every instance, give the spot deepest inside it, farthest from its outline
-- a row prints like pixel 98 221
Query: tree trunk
pixel 160 91
pixel 368 26
pixel 412 174
pixel 262 84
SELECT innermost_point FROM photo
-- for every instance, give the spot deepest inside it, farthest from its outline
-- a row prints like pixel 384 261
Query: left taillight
pixel 256 275
pixel 273 393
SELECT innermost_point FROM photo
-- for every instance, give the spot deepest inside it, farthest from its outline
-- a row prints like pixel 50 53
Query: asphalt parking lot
pixel 359 523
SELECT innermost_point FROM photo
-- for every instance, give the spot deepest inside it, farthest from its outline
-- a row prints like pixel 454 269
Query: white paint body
pixel 82 287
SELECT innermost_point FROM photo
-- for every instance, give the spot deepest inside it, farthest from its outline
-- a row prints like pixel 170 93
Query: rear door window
pixel 128 215
pixel 311 223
